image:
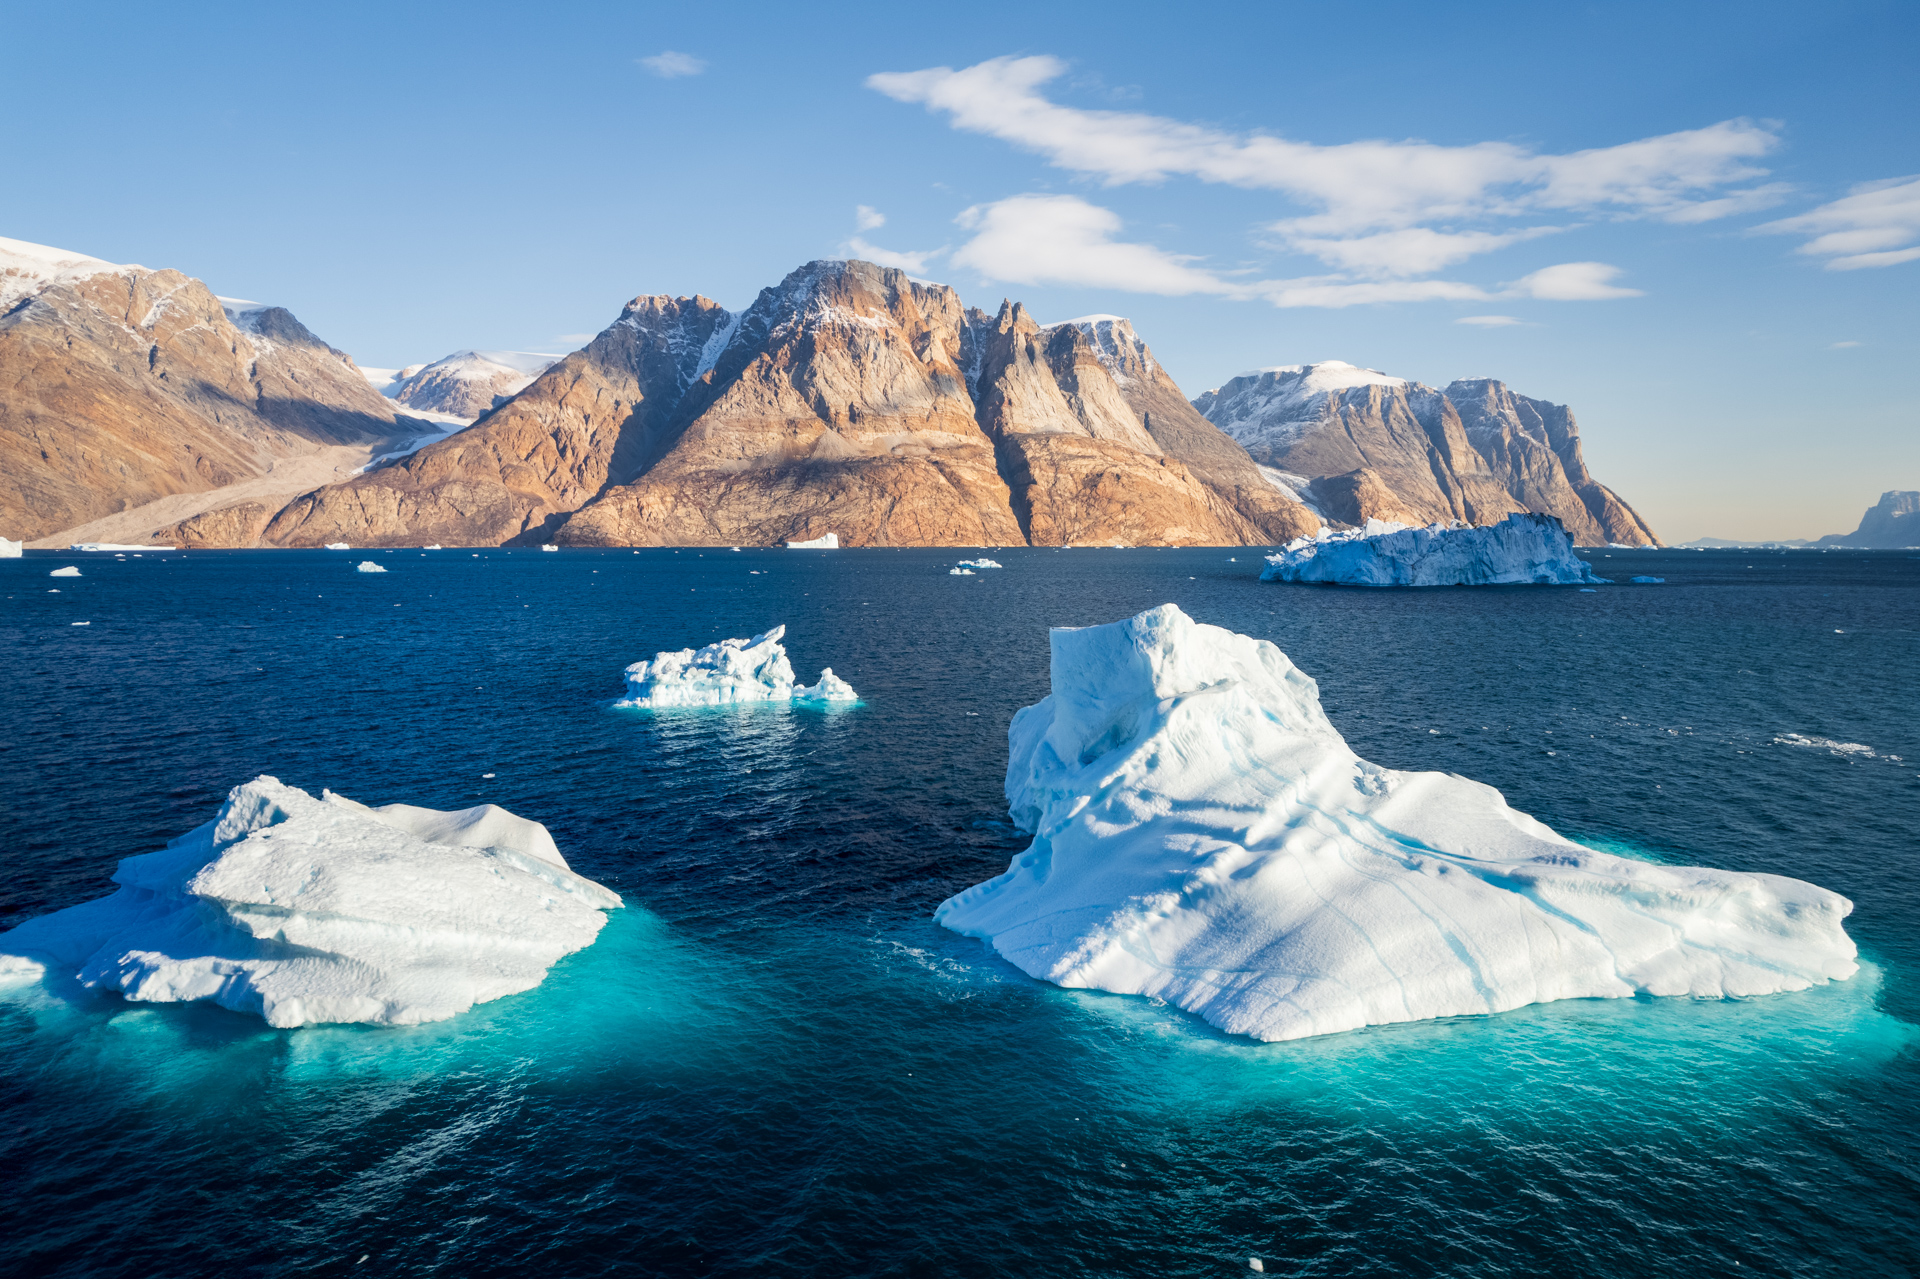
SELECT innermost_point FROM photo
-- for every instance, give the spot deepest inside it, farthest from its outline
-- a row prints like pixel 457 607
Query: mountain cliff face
pixel 847 399
pixel 124 385
pixel 1892 523
pixel 1367 445
pixel 468 384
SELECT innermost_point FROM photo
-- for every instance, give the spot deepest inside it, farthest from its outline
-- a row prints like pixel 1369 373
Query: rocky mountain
pixel 847 399
pixel 1357 444
pixel 1891 523
pixel 130 390
pixel 466 384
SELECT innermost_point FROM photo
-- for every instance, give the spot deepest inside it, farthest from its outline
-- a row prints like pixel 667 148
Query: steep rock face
pixel 1533 449
pixel 1380 447
pixel 1892 523
pixel 518 472
pixel 121 385
pixel 835 405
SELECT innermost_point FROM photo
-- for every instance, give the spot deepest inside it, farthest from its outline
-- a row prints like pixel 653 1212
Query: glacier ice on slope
pixel 305 910
pixel 1203 834
pixel 1519 550
pixel 731 670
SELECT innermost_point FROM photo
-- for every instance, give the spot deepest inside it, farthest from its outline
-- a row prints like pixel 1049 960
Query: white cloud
pixel 1412 251
pixel 910 262
pixel 573 339
pixel 1355 187
pixel 1490 321
pixel 866 217
pixel 669 65
pixel 1841 346
pixel 1874 225
pixel 1571 282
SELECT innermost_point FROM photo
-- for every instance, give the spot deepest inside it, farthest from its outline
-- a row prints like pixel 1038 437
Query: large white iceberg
pixel 368 566
pixel 68 571
pixel 732 670
pixel 10 550
pixel 1519 550
pixel 1203 834
pixel 307 910
pixel 826 542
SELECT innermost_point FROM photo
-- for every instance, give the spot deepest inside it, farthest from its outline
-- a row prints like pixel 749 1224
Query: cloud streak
pixel 1874 225
pixel 669 65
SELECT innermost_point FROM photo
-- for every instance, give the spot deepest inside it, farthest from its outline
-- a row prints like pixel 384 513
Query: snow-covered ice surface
pixel 1519 550
pixel 28 269
pixel 10 550
pixel 68 571
pixel 338 546
pixel 1203 834
pixel 828 542
pixel 368 566
pixel 981 563
pixel 305 910
pixel 732 670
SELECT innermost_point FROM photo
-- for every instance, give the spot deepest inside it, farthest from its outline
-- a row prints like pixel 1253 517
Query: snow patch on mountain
pixel 27 269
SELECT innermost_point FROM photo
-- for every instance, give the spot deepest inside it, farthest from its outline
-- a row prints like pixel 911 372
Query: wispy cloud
pixel 1572 282
pixel 1841 346
pixel 669 65
pixel 1874 225
pixel 866 217
pixel 1490 321
pixel 908 261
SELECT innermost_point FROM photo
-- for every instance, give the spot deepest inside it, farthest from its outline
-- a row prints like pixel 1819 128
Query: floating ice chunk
pixel 1649 581
pixel 116 546
pixel 338 546
pixel 79 623
pixel 305 910
pixel 1521 549
pixel 548 546
pixel 830 542
pixel 11 550
pixel 960 572
pixel 368 566
pixel 68 571
pixel 435 547
pixel 1203 834
pixel 732 670
pixel 980 563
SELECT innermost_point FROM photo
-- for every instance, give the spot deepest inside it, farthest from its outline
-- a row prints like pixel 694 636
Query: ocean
pixel 773 1062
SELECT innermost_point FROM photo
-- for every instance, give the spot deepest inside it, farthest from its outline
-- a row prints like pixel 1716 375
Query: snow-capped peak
pixel 27 269
pixel 1326 375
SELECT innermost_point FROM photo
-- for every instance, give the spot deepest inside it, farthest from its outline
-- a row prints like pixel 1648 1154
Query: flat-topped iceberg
pixel 825 542
pixel 1203 834
pixel 733 670
pixel 1519 550
pixel 10 550
pixel 306 910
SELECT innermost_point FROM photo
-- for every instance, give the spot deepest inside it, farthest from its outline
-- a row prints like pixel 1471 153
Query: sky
pixel 1698 224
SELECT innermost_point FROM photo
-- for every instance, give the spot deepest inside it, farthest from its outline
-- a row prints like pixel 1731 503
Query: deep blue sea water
pixel 773 1062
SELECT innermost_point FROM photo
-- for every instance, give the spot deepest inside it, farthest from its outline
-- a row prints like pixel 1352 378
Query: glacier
pixel 1202 834
pixel 304 911
pixel 731 670
pixel 1520 550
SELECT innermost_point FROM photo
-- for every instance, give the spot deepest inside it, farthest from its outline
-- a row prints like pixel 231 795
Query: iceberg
pixel 1521 549
pixel 304 910
pixel 830 542
pixel 1202 834
pixel 732 670
pixel 960 572
pixel 117 546
pixel 10 550
pixel 1649 581
pixel 548 546
pixel 338 546
pixel 368 566
pixel 68 571
pixel 980 563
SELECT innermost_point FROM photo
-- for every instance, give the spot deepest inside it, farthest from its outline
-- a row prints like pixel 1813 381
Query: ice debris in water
pixel 980 563
pixel 1824 743
pixel 733 670
pixel 828 542
pixel 1649 581
pixel 368 566
pixel 305 910
pixel 1519 550
pixel 68 571
pixel 960 572
pixel 1203 835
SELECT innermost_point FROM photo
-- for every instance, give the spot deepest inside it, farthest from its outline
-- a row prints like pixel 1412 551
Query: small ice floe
pixel 1648 581
pixel 549 546
pixel 980 563
pixel 10 550
pixel 960 572
pixel 733 548
pixel 435 547
pixel 1254 1263
pixel 827 542
pixel 1520 550
pixel 732 670
pixel 338 546
pixel 368 566
pixel 79 623
pixel 68 571
pixel 1204 836
pixel 1826 744
pixel 302 910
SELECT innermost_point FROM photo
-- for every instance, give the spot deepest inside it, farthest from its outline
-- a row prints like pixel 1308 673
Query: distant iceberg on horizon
pixel 725 672
pixel 1523 549
pixel 303 910
pixel 825 542
pixel 1202 834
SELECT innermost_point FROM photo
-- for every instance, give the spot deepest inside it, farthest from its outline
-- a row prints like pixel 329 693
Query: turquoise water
pixel 773 1060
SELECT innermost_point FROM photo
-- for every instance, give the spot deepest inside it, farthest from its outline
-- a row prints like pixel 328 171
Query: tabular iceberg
pixel 10 550
pixel 68 571
pixel 825 542
pixel 733 670
pixel 1519 550
pixel 1203 834
pixel 307 910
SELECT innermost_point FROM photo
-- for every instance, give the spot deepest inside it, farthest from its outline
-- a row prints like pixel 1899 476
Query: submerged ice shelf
pixel 1519 550
pixel 732 670
pixel 305 910
pixel 1203 834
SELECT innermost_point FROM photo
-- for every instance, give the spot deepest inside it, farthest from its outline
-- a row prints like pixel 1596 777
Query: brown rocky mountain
pixel 123 389
pixel 848 399
pixel 1358 444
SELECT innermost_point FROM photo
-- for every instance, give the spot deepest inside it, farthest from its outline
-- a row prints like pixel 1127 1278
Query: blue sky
pixel 1687 221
